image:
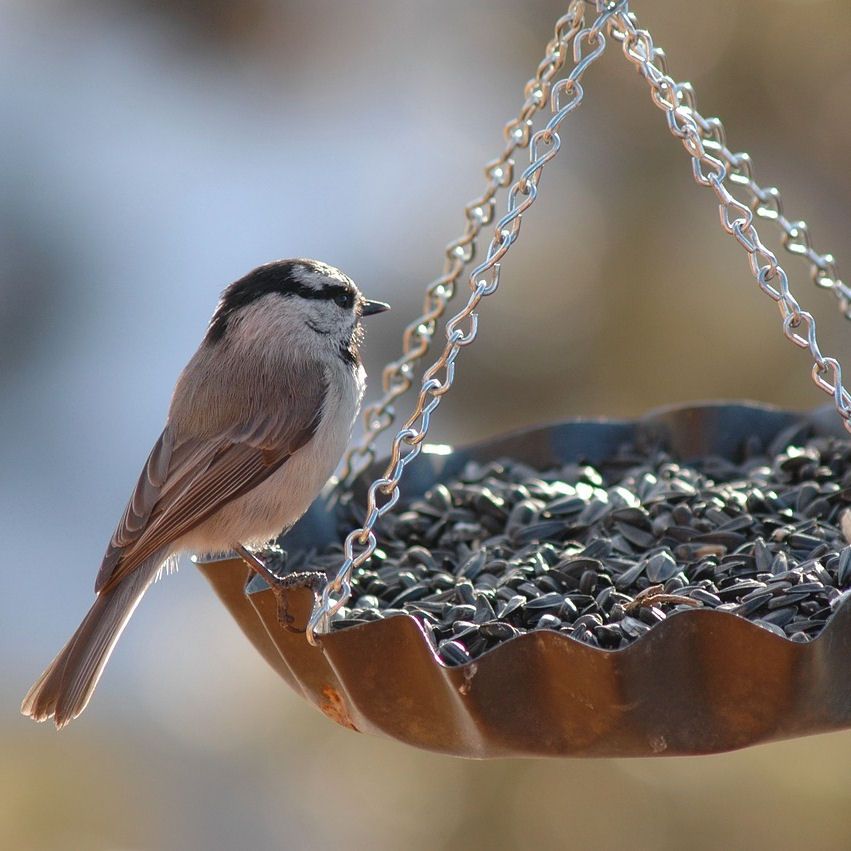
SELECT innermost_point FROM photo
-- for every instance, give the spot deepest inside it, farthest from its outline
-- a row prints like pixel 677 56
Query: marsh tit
pixel 257 424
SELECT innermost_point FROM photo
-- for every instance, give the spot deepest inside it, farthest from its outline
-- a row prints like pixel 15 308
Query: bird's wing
pixel 185 482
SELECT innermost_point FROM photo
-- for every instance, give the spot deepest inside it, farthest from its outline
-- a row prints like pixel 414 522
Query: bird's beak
pixel 369 307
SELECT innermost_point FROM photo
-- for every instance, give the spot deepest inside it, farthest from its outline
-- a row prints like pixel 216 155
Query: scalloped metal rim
pixel 700 682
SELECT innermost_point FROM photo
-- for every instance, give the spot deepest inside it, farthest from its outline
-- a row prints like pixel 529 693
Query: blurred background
pixel 151 151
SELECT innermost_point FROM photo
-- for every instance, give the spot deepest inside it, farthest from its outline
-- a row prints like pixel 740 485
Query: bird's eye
pixel 345 300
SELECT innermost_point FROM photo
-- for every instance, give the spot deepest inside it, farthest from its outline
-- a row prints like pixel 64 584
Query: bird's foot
pixel 257 565
pixel 314 580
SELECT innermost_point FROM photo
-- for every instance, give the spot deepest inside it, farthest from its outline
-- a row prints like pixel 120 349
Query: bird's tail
pixel 65 687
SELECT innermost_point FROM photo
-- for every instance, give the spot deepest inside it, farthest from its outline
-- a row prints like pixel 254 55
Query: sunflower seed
pixel 504 548
pixel 453 652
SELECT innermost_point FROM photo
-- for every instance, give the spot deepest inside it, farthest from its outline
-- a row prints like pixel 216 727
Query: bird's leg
pixel 257 565
pixel 280 584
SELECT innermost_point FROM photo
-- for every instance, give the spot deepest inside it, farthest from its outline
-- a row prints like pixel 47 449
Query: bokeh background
pixel 151 151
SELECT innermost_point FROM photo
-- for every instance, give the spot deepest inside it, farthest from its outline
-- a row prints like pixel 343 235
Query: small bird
pixel 258 422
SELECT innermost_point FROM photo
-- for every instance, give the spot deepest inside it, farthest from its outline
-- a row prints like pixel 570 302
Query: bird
pixel 258 421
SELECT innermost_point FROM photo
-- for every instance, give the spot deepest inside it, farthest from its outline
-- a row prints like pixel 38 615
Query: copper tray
pixel 700 682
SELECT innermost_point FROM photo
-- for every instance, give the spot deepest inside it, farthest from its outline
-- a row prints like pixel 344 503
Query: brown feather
pixel 66 685
pixel 184 482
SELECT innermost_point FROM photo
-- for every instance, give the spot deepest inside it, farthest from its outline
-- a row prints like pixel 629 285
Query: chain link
pixel 398 375
pixel 712 166
pixel 766 202
pixel 565 96
pixel 677 101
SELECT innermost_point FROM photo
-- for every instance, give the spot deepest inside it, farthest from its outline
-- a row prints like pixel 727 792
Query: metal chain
pixel 737 218
pixel 565 96
pixel 698 136
pixel 766 202
pixel 398 375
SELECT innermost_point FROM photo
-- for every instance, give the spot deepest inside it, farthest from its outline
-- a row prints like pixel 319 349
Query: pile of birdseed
pixel 603 553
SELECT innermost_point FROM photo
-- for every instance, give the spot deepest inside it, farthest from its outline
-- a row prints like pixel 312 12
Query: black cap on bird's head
pixel 298 278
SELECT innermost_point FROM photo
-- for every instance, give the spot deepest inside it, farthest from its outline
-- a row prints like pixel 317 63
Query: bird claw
pixel 312 579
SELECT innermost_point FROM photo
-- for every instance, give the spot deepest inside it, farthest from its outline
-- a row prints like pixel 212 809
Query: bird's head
pixel 302 303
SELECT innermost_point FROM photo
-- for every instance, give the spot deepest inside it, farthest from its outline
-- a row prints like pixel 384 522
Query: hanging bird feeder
pixel 674 585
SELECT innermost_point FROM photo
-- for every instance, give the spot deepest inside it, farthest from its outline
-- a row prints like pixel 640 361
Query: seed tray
pixel 701 680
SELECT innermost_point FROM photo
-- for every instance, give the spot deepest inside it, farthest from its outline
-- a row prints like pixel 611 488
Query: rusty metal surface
pixel 700 682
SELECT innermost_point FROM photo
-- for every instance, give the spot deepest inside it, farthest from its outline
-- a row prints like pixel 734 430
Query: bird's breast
pixel 279 501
